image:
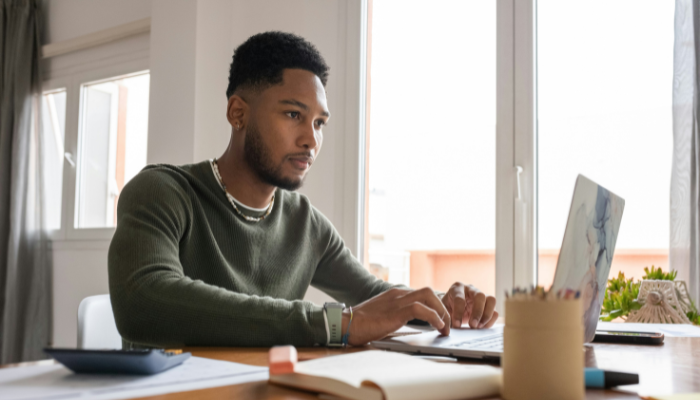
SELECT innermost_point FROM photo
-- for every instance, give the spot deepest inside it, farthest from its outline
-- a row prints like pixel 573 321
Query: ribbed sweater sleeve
pixel 156 304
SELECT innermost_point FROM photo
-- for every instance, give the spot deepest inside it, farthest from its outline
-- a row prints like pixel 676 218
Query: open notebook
pixel 384 375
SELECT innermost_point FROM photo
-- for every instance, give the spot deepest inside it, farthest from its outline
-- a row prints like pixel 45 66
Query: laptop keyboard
pixel 491 343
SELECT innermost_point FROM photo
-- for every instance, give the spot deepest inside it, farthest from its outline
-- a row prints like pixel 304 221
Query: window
pixel 570 88
pixel 112 145
pixel 94 140
pixel 432 140
pixel 604 110
pixel 53 128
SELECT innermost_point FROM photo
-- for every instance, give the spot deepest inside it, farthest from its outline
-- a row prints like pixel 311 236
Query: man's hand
pixel 389 311
pixel 467 303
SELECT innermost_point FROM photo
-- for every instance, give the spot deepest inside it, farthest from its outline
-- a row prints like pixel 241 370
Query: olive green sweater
pixel 186 269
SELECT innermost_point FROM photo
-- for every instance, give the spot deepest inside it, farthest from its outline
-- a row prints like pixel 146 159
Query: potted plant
pixel 622 296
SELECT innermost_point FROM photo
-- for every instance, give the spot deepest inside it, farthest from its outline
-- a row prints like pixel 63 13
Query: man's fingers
pixel 477 308
pixel 488 311
pixel 459 304
pixel 418 310
pixel 427 296
pixel 492 321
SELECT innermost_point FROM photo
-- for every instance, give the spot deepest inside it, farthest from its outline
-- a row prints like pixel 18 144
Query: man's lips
pixel 301 162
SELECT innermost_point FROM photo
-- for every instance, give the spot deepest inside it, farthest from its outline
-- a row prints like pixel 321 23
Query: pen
pixel 597 378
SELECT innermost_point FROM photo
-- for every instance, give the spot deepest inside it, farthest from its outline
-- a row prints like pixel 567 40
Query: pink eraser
pixel 282 360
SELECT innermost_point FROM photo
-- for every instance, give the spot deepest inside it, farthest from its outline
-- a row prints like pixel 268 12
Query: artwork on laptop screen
pixel 588 247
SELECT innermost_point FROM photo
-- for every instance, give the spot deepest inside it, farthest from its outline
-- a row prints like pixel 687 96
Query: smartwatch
pixel 334 313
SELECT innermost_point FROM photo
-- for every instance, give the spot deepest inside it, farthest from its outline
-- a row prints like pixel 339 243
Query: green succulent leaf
pixel 694 317
pixel 658 274
pixel 620 297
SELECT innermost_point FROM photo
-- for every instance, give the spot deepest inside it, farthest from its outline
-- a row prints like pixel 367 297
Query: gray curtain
pixel 25 286
pixel 685 179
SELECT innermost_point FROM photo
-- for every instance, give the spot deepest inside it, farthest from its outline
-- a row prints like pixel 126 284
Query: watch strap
pixel 334 313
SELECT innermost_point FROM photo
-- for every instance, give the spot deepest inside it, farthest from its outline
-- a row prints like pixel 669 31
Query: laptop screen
pixel 588 247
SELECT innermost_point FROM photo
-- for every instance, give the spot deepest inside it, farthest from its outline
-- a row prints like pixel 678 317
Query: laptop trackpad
pixel 459 335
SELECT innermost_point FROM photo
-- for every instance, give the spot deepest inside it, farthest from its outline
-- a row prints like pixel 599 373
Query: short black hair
pixel 260 61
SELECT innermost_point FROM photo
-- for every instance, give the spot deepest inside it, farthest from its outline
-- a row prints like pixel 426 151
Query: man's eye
pixel 293 114
pixel 320 122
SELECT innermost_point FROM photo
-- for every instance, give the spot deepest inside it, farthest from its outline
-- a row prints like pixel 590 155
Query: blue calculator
pixel 132 362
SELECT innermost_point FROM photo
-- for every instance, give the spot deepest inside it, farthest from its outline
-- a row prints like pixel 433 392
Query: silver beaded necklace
pixel 215 167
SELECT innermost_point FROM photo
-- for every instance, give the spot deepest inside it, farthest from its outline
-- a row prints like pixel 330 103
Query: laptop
pixel 583 264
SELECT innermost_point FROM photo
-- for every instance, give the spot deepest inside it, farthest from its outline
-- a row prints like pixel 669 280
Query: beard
pixel 258 157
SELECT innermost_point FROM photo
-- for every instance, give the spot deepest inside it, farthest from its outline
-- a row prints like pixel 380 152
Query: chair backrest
pixel 96 326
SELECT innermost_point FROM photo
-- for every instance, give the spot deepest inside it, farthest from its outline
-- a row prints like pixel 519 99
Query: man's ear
pixel 237 111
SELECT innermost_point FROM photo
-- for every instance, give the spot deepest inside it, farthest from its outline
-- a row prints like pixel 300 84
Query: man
pixel 221 253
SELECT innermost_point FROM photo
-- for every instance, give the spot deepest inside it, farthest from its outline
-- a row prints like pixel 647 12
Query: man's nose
pixel 309 138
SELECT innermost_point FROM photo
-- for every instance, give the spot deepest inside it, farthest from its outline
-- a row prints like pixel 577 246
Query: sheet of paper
pixel 670 330
pixel 57 382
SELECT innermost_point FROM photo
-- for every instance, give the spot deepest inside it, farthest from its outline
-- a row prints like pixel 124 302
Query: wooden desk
pixel 671 368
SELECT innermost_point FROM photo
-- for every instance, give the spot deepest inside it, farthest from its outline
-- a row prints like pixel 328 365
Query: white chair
pixel 96 326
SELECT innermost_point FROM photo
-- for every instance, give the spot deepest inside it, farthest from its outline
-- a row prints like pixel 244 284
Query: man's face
pixel 284 132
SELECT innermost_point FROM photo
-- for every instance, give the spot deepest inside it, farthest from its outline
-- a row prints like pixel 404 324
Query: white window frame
pixel 351 198
pixel 72 72
pixel 516 146
pixel 52 85
pixel 78 82
pixel 114 105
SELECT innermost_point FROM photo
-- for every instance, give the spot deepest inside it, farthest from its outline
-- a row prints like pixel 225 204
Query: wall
pixel 68 19
pixel 191 44
pixel 79 271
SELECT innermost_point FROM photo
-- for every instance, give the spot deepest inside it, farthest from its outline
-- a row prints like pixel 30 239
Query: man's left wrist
pixel 334 314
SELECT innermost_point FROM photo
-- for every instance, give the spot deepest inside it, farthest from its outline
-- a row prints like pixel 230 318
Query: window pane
pixel 605 74
pixel 113 141
pixel 432 142
pixel 53 128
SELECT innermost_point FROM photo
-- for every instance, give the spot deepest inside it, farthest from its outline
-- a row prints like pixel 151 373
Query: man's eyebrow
pixel 295 103
pixel 302 106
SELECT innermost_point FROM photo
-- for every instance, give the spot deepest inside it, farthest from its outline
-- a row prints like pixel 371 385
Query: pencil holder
pixel 543 355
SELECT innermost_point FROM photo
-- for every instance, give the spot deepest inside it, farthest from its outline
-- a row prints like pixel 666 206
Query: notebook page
pixel 401 376
pixel 445 382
